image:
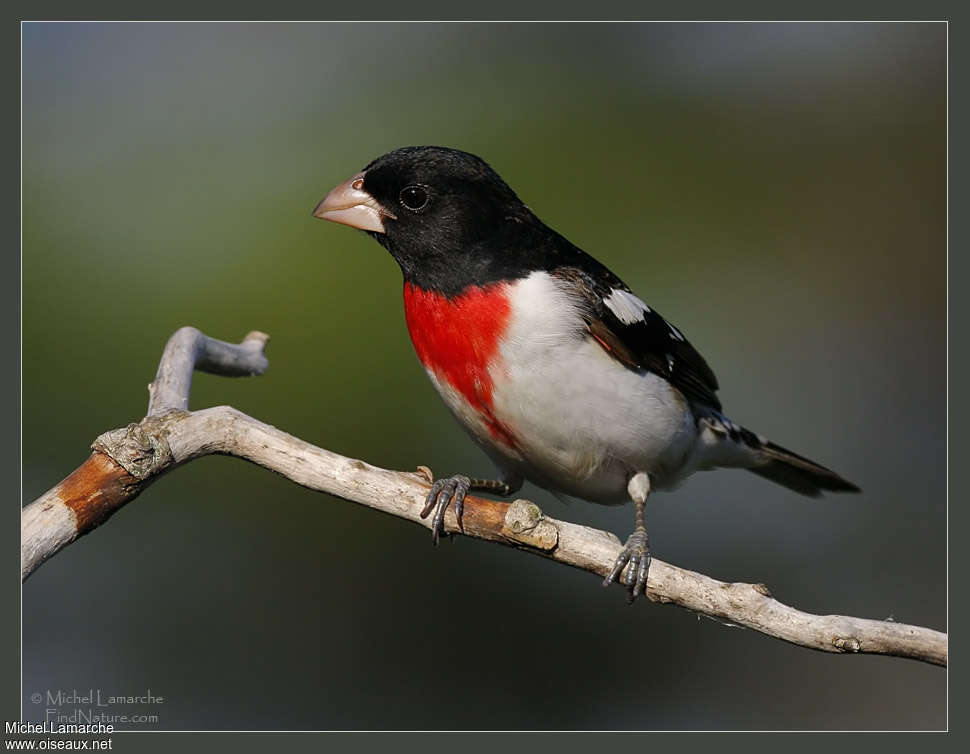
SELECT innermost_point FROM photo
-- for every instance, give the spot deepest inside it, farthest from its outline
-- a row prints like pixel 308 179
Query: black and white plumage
pixel 552 364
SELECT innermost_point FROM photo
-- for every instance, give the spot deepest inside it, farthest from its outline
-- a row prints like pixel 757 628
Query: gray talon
pixel 442 492
pixel 633 563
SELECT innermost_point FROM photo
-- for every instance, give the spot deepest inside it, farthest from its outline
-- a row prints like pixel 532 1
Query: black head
pixel 446 217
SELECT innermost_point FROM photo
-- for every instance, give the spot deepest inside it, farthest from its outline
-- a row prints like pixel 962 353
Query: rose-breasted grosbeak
pixel 557 370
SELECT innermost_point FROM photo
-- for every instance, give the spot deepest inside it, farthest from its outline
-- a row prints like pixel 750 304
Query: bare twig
pixel 188 350
pixel 126 460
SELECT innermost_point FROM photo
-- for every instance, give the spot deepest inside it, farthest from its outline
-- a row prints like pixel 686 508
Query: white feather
pixel 628 308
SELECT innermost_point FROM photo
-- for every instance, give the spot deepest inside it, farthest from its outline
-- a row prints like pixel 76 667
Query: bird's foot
pixel 633 562
pixel 442 492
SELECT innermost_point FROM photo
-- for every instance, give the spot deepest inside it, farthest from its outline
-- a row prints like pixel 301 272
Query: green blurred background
pixel 776 190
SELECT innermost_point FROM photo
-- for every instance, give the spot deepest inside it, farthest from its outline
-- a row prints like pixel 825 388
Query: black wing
pixel 637 336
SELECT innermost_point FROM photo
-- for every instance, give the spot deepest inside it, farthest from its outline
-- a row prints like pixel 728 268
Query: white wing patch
pixel 629 310
pixel 627 307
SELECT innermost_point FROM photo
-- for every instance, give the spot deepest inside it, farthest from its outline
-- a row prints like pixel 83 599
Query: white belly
pixel 583 422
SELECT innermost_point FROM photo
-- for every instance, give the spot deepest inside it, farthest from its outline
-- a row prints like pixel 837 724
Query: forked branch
pixel 125 461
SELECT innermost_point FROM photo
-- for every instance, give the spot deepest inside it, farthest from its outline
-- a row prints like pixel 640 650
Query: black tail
pixel 799 474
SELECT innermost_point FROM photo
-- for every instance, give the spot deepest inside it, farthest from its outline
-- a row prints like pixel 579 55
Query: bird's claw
pixel 633 563
pixel 442 492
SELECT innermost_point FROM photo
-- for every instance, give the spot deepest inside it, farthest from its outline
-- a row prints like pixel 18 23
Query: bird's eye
pixel 414 197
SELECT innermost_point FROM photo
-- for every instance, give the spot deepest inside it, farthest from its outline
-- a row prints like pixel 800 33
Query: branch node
pixel 847 644
pixel 141 449
pixel 761 589
pixel 526 524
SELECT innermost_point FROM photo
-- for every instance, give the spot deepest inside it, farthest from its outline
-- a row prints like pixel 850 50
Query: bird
pixel 557 370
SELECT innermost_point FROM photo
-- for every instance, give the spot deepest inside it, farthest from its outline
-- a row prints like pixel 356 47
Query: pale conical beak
pixel 350 205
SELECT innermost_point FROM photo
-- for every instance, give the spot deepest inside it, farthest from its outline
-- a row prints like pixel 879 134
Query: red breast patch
pixel 458 338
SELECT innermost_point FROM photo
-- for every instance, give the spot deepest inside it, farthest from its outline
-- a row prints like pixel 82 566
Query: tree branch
pixel 189 349
pixel 125 461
